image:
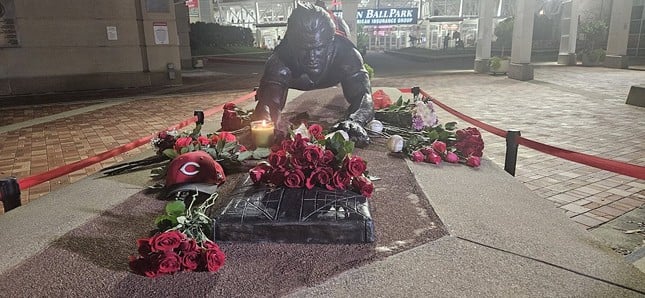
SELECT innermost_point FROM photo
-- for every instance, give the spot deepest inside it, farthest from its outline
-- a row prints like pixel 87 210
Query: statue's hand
pixel 356 132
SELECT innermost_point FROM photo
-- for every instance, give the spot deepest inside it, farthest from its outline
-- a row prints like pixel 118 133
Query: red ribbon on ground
pixel 618 167
pixel 30 181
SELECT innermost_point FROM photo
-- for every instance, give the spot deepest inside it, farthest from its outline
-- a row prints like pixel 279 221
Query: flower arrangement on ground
pixel 414 130
pixel 309 158
pixel 180 244
pixel 223 146
pixel 439 143
pixel 416 113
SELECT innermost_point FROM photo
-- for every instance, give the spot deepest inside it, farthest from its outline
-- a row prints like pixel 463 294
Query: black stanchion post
pixel 415 91
pixel 511 151
pixel 200 117
pixel 9 193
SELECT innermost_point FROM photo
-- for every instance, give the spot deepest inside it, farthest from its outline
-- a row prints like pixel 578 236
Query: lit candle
pixel 262 133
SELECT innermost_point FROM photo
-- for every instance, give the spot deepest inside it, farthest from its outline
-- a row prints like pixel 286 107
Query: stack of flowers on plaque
pixel 412 128
pixel 310 159
pixel 311 189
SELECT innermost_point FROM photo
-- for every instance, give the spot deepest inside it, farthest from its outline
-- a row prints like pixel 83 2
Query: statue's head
pixel 310 33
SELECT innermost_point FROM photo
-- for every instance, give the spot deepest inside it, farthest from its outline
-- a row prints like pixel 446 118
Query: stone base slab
pixel 482 65
pixel 636 96
pixel 521 71
pixel 567 59
pixel 294 215
pixel 616 61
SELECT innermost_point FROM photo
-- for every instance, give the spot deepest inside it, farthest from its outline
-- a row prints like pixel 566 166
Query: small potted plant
pixel 504 34
pixel 592 33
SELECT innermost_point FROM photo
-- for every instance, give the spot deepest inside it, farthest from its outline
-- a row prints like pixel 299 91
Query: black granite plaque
pixel 257 213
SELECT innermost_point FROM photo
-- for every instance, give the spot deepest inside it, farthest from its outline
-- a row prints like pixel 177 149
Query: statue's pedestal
pixel 295 216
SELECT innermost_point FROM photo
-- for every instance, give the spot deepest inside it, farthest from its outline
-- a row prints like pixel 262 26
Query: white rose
pixel 395 143
pixel 302 130
pixel 375 126
pixel 341 132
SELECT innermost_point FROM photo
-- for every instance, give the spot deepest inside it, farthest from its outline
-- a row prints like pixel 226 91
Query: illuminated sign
pixel 387 16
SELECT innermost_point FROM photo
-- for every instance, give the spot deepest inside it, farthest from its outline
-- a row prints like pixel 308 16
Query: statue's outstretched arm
pixel 272 92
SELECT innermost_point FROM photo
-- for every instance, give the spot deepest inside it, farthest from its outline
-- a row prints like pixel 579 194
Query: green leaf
pixel 212 152
pixel 244 155
pixel 228 146
pixel 165 222
pixel 170 153
pixel 348 147
pixel 175 208
pixel 451 125
pixel 183 150
pixel 260 153
pixel 433 135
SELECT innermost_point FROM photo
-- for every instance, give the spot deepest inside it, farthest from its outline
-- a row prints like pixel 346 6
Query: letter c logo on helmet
pixel 184 169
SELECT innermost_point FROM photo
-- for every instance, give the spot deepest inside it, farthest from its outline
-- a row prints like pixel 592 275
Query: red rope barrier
pixel 30 181
pixel 622 168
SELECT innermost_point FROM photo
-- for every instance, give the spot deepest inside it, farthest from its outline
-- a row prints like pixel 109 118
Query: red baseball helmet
pixel 194 171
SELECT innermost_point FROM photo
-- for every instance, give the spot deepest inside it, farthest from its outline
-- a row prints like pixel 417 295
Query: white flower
pixel 302 130
pixel 375 126
pixel 427 114
pixel 395 143
pixel 341 132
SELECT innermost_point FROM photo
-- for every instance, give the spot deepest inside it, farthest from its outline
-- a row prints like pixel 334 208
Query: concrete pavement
pixel 506 240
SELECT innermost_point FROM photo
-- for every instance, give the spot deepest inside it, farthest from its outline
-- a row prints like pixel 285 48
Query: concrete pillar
pixel 406 39
pixel 521 68
pixel 621 12
pixel 183 30
pixel 206 11
pixel 569 29
pixel 350 8
pixel 484 35
pixel 428 39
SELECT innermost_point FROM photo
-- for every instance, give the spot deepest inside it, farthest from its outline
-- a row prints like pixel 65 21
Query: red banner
pixel 192 3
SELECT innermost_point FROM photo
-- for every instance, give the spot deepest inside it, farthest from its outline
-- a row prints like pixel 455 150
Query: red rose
pixel 229 106
pixel 143 246
pixel 277 176
pixel 294 178
pixel 298 161
pixel 230 121
pixel 142 266
pixel 215 258
pixel 166 241
pixel 168 261
pixel 320 176
pixel 473 161
pixel 287 146
pixel 203 140
pixel 183 142
pixel 451 157
pixel 242 148
pixel 227 136
pixel 327 158
pixel 188 245
pixel 315 130
pixel 312 154
pixel 299 144
pixel 162 135
pixel 439 146
pixel 190 260
pixel 354 165
pixel 341 179
pixel 433 157
pixel 278 158
pixel 417 156
pixel 363 185
pixel 259 172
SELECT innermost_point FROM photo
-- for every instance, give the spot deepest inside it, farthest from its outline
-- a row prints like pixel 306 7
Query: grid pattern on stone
pixel 300 205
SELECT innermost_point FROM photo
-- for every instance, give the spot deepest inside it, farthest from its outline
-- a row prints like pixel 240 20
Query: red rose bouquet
pixel 172 251
pixel 299 162
pixel 180 244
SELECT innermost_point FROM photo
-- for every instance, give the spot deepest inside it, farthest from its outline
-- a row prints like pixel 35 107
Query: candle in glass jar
pixel 262 133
